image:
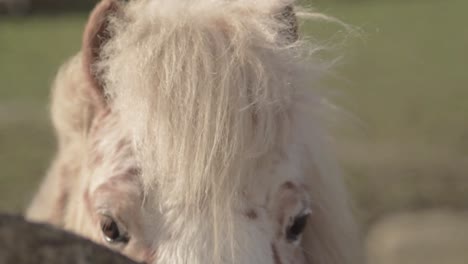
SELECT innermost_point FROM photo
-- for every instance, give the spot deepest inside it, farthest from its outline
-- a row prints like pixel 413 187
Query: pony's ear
pixel 284 12
pixel 96 34
pixel 290 31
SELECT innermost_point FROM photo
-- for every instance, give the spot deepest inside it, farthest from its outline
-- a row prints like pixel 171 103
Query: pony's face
pixel 268 220
pixel 203 145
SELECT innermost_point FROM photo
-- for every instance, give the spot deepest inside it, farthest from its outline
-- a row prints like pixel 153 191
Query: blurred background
pixel 402 82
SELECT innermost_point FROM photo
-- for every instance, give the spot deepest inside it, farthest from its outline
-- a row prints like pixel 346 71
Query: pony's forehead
pixel 118 179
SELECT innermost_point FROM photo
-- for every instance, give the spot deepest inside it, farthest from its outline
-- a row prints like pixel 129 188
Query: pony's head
pixel 202 141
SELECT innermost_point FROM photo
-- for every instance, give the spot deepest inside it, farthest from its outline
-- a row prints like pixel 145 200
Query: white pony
pixel 189 132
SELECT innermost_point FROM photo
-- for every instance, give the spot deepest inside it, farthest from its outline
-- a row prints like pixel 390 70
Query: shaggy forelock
pixel 207 92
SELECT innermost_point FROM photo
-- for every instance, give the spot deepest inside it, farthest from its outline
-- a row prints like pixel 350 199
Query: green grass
pixel 404 78
pixel 31 51
pixel 407 70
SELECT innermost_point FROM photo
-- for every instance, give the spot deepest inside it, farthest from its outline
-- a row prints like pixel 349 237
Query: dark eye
pixel 111 231
pixel 295 230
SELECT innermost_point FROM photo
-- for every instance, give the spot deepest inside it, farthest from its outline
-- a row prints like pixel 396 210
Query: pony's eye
pixel 111 231
pixel 295 230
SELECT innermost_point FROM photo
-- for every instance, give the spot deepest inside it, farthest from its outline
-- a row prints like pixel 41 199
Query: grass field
pixel 31 49
pixel 403 79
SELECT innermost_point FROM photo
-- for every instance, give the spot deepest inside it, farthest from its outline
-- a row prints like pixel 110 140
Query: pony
pixel 192 132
